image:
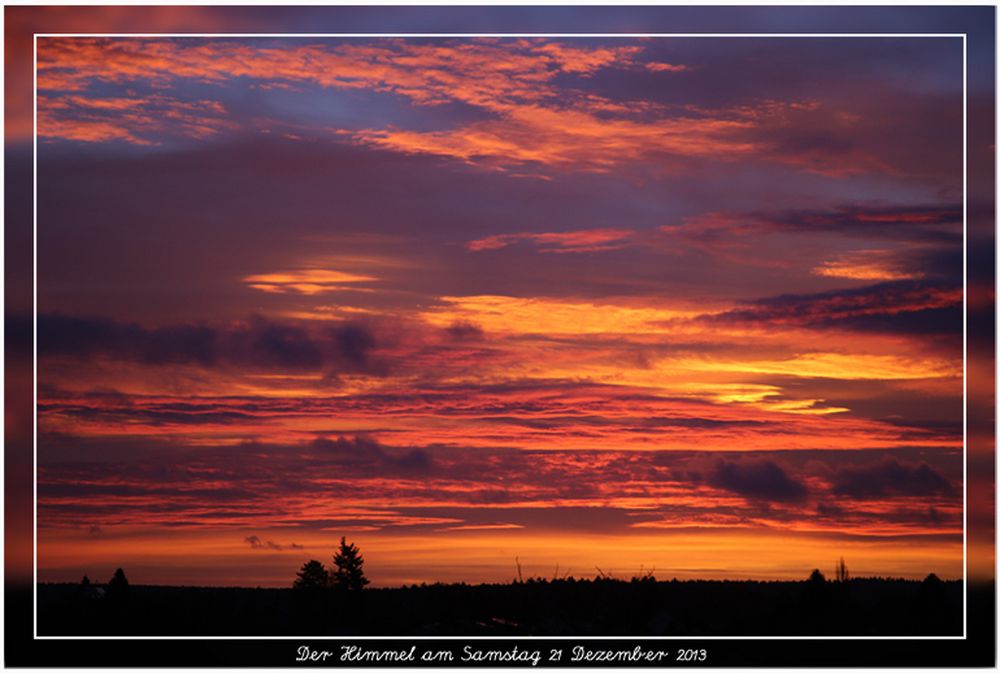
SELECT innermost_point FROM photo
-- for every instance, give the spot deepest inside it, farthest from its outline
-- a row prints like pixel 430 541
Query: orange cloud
pixel 526 85
pixel 539 414
pixel 484 73
pixel 590 240
pixel 21 23
pixel 140 121
pixel 588 60
pixel 568 138
pixel 665 67
pixel 306 281
pixel 520 315
pixel 838 366
pixel 866 265
pixel 535 120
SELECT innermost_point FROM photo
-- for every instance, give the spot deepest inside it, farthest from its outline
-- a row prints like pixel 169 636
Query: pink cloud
pixel 590 240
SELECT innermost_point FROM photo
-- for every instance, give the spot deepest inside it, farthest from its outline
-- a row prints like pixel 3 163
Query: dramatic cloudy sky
pixel 684 304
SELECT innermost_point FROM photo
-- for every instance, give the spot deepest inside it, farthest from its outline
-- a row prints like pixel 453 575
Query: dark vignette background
pixel 22 22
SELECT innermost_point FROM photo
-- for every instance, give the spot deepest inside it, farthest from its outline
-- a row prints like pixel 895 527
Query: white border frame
pixel 965 322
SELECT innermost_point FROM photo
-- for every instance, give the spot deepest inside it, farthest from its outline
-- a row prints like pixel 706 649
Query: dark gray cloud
pixel 275 345
pixel 757 480
pixel 932 223
pixel 565 517
pixel 904 307
pixel 256 543
pixel 354 345
pixel 464 331
pixel 361 451
pixel 88 336
pixel 891 477
pixel 256 342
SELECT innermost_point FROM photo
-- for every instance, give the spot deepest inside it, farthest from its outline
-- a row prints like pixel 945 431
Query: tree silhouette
pixel 312 576
pixel 842 574
pixel 815 616
pixel 84 590
pixel 348 573
pixel 118 586
pixel 118 600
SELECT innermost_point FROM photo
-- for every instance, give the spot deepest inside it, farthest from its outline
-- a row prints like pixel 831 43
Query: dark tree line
pixel 329 601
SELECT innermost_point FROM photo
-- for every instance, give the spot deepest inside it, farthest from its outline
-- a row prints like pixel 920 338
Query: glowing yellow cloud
pixel 866 265
pixel 306 281
pixel 517 315
pixel 856 366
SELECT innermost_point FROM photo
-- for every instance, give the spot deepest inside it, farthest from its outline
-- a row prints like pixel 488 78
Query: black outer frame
pixel 978 23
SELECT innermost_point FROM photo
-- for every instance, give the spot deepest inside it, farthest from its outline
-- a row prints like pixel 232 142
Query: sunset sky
pixel 683 304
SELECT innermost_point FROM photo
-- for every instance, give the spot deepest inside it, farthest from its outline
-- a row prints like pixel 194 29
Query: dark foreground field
pixel 560 607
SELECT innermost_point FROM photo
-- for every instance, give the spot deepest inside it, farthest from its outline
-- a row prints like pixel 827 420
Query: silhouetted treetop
pixel 348 572
pixel 118 586
pixel 817 577
pixel 842 574
pixel 118 580
pixel 312 576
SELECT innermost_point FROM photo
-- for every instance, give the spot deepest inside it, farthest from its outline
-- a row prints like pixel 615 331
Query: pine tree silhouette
pixel 312 576
pixel 348 573
pixel 84 591
pixel 118 586
pixel 118 601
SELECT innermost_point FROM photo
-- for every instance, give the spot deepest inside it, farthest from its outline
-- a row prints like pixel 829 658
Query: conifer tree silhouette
pixel 118 586
pixel 312 576
pixel 348 572
pixel 84 591
pixel 118 601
